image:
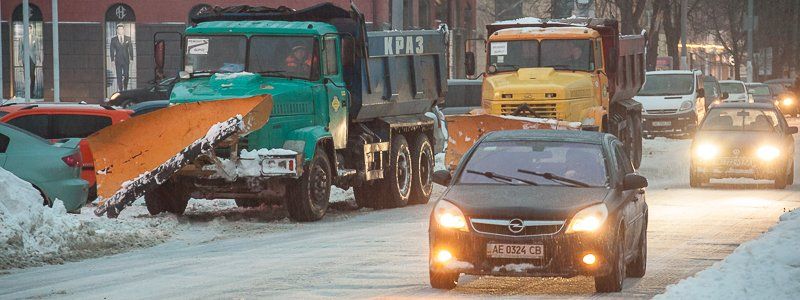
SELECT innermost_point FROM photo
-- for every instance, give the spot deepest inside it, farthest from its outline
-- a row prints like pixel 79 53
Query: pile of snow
pixel 32 234
pixel 765 268
pixel 525 20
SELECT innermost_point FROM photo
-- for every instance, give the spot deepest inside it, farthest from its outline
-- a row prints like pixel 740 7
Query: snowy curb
pixel 764 268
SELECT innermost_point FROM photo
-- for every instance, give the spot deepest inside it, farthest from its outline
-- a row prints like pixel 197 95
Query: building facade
pixel 107 45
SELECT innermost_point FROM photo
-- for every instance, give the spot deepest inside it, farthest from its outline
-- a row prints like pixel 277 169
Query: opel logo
pixel 516 226
pixel 736 152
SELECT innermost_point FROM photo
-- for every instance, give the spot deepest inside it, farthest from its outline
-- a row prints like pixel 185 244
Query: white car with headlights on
pixel 743 140
pixel 541 203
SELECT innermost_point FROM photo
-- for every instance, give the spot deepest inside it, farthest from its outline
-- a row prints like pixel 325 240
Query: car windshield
pixel 759 90
pixel 579 162
pixel 284 56
pixel 740 119
pixel 215 54
pixel 558 54
pixel 732 87
pixel 667 84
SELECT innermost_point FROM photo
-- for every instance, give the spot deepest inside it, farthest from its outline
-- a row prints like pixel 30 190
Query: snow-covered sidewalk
pixel 764 268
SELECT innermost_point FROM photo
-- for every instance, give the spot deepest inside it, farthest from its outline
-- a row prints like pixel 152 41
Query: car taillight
pixel 73 160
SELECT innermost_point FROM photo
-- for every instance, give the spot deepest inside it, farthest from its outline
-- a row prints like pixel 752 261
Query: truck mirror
pixel 469 62
pixel 159 50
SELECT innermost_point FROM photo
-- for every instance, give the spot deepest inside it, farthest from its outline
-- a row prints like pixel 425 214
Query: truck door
pixel 337 95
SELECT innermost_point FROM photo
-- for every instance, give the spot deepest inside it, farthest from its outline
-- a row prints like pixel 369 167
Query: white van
pixel 673 102
pixel 737 91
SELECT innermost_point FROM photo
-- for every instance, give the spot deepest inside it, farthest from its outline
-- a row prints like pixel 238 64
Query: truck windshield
pixel 667 84
pixel 285 56
pixel 558 54
pixel 215 54
pixel 520 159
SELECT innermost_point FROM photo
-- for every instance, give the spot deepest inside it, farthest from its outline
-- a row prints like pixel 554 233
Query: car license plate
pixel 735 162
pixel 514 251
pixel 662 123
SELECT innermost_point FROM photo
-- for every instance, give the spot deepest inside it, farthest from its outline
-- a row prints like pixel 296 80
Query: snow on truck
pixel 571 70
pixel 333 103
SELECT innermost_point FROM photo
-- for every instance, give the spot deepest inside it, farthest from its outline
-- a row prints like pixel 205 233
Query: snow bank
pixel 525 20
pixel 32 234
pixel 765 268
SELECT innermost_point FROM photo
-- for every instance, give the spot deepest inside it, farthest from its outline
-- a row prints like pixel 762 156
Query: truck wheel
pixel 397 179
pixel 247 203
pixel 443 280
pixel 366 196
pixel 423 160
pixel 170 196
pixel 309 196
pixel 613 281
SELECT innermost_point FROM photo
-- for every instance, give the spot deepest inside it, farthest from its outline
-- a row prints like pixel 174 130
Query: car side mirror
pixel 442 177
pixel 634 182
pixel 725 95
pixel 469 63
pixel 792 130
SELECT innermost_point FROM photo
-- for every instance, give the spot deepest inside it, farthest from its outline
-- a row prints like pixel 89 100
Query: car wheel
pixel 170 196
pixel 247 203
pixel 694 178
pixel 443 280
pixel 638 266
pixel 422 160
pixel 780 181
pixel 397 179
pixel 613 281
pixel 309 197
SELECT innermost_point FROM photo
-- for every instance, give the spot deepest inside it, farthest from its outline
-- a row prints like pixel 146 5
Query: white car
pixel 673 102
pixel 736 90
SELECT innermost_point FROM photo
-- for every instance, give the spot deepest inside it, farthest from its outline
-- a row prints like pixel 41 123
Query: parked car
pixel 673 102
pixel 156 91
pixel 148 107
pixel 52 168
pixel 743 140
pixel 737 91
pixel 760 92
pixel 56 121
pixel 541 203
pixel 713 92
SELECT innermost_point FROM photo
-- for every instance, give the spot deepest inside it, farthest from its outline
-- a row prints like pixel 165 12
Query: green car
pixel 52 168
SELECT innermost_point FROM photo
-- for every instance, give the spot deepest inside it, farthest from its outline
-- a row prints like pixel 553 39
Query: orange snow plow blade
pixel 135 156
pixel 465 130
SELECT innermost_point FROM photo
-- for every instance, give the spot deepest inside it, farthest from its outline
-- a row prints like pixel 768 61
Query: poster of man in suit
pixel 121 57
pixel 36 58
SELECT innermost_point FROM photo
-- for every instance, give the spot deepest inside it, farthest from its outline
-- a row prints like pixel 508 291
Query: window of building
pixel 35 51
pixel 120 53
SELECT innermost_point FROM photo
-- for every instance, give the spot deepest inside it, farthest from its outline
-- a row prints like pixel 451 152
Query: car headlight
pixel 706 151
pixel 589 219
pixel 114 96
pixel 768 153
pixel 449 216
pixel 686 105
pixel 788 101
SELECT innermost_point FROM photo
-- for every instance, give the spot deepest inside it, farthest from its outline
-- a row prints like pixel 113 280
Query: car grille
pixel 661 111
pixel 540 110
pixel 501 227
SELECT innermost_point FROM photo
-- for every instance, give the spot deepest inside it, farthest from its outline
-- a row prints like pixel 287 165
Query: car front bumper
pixel 750 167
pixel 563 254
pixel 669 124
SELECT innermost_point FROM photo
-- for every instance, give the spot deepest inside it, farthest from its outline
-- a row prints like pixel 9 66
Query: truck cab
pixel 674 103
pixel 550 72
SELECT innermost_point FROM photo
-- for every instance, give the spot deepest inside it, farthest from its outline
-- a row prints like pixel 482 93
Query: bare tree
pixel 724 20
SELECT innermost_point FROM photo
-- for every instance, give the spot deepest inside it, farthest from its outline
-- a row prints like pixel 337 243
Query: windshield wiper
pixel 501 178
pixel 555 178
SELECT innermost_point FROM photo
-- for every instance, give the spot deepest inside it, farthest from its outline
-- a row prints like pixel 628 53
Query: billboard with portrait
pixel 36 51
pixel 120 49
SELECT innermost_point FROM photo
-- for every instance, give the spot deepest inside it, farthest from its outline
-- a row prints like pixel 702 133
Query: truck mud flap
pixel 135 156
pixel 465 130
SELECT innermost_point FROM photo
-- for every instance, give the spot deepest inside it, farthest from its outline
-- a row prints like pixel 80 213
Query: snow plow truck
pixel 278 105
pixel 581 72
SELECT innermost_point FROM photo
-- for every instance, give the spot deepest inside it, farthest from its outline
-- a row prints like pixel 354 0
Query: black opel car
pixel 543 203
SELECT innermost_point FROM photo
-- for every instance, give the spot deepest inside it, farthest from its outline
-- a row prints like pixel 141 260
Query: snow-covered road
pixel 227 253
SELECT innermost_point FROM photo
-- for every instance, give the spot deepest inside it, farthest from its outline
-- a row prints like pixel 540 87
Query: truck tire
pixel 170 196
pixel 422 170
pixel 366 196
pixel 397 178
pixel 309 196
pixel 612 282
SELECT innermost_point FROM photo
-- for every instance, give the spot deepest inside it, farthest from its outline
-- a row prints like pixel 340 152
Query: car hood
pixel 746 141
pixel 523 202
pixel 662 102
